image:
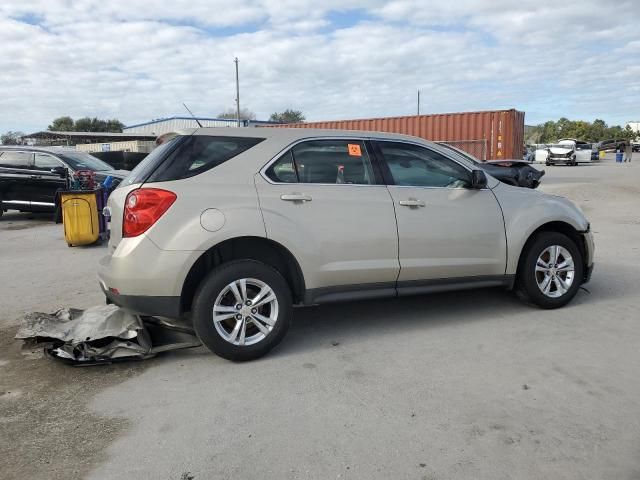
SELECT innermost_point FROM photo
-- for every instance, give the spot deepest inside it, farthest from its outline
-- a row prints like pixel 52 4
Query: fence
pixel 477 148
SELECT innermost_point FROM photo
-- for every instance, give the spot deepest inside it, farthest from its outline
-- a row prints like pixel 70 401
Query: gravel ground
pixel 462 385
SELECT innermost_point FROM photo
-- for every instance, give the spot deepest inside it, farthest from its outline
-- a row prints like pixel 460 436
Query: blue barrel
pixel 619 157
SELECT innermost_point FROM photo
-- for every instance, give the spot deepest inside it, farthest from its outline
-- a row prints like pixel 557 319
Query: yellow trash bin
pixel 80 217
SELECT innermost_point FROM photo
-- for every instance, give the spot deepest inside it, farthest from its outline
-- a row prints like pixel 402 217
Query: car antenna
pixel 194 117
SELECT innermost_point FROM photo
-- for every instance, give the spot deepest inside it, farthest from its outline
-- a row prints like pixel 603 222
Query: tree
pixel 230 113
pixel 114 126
pixel 11 138
pixel 288 116
pixel 591 132
pixel 61 124
pixel 87 124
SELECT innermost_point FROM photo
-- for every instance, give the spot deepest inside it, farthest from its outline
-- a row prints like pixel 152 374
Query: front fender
pixel 526 210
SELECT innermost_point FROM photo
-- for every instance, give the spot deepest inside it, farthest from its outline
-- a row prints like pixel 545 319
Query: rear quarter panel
pixel 233 195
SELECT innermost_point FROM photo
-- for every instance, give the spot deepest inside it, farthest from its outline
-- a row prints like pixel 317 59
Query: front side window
pixel 413 165
pixel 46 162
pixel 15 159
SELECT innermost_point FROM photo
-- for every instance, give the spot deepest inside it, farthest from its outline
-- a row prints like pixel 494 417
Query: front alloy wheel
pixel 555 271
pixel 550 270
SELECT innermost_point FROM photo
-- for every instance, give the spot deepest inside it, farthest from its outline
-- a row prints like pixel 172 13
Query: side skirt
pixel 347 293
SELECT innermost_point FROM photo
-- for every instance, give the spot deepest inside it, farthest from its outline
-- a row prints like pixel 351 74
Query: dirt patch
pixel 45 429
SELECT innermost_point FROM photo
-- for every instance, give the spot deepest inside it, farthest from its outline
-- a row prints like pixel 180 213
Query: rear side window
pixel 10 159
pixel 199 153
pixel 324 161
pixel 333 161
pixel 283 170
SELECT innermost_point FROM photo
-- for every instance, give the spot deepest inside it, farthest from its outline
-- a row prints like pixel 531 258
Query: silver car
pixel 236 226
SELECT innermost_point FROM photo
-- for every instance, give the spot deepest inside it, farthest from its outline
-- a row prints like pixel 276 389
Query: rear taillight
pixel 143 207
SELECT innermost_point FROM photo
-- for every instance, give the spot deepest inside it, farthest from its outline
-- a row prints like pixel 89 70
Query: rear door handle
pixel 412 202
pixel 295 197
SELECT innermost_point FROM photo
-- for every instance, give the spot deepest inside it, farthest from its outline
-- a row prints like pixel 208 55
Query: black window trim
pixel 373 160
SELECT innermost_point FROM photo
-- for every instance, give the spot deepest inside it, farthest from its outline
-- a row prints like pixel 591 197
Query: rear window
pixel 146 167
pixel 199 153
pixel 187 156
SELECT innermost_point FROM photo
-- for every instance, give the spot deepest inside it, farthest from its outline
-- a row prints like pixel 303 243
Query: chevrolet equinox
pixel 236 226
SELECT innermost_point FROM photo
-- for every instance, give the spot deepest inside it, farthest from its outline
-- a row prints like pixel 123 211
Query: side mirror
pixel 478 179
pixel 61 171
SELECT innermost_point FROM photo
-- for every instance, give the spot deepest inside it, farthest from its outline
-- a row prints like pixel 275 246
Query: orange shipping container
pixel 500 132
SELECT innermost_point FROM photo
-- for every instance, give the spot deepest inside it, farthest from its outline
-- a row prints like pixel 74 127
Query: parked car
pixel 585 152
pixel 561 153
pixel 519 173
pixel 236 227
pixel 31 176
pixel 541 153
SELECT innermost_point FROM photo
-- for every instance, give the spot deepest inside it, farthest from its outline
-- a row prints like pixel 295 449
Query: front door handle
pixel 412 202
pixel 35 176
pixel 295 197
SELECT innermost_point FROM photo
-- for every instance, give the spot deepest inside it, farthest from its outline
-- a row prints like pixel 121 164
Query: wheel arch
pixel 240 248
pixel 557 227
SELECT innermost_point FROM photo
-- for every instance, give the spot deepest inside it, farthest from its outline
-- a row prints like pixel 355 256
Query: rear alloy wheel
pixel 242 310
pixel 551 271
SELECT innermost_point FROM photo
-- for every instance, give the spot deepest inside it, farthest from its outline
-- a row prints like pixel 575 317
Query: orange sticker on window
pixel 354 150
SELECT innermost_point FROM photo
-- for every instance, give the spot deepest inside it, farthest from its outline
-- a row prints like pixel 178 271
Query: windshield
pixel 84 161
pixel 568 147
pixel 461 155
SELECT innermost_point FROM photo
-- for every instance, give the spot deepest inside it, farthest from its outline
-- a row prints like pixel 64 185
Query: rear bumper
pixel 143 278
pixel 144 305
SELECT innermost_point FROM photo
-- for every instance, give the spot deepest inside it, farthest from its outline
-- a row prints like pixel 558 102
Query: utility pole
pixel 237 93
pixel 418 102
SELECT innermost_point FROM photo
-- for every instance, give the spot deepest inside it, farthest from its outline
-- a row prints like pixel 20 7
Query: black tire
pixel 57 215
pixel 548 164
pixel 212 286
pixel 526 284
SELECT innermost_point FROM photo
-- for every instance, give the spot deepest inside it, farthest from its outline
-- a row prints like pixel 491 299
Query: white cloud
pixel 139 60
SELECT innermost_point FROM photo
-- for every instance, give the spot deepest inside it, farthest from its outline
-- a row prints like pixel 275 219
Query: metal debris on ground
pixel 103 334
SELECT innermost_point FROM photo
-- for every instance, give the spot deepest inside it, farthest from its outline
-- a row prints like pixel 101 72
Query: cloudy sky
pixel 140 59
